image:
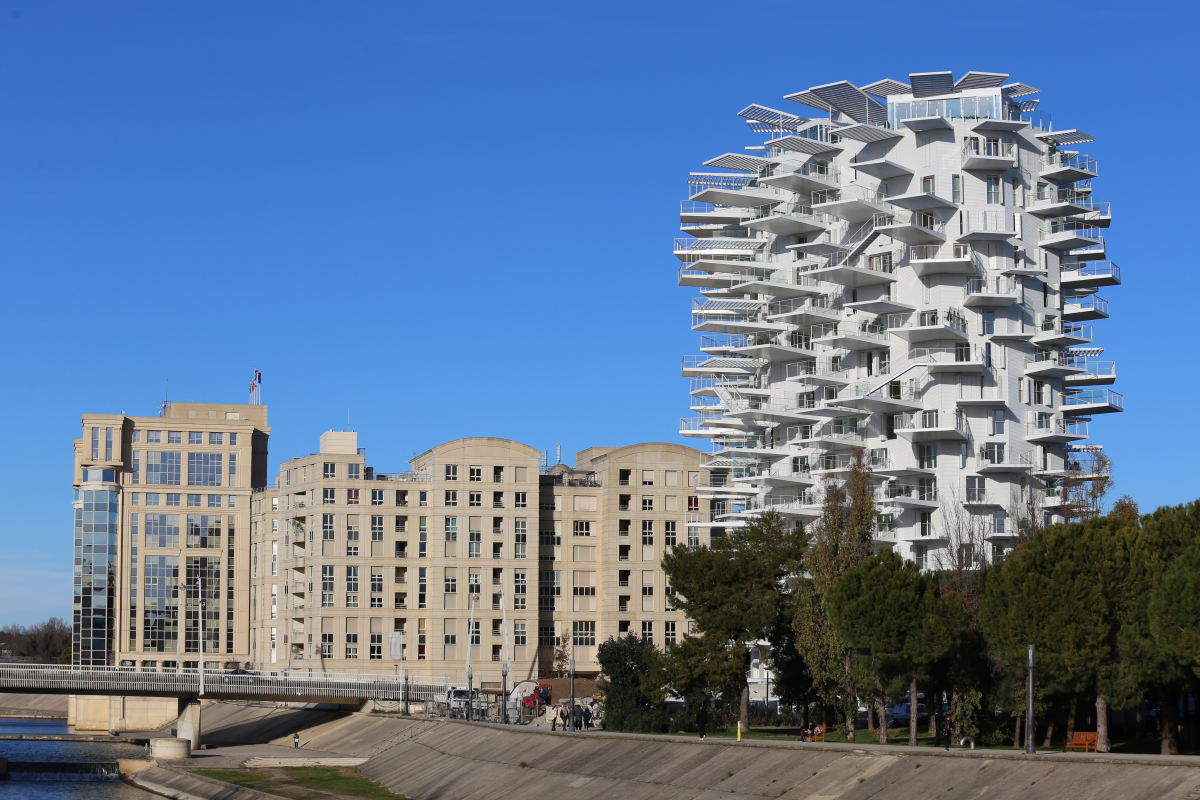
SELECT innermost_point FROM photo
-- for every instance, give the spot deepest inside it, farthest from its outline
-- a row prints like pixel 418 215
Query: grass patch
pixel 347 782
pixel 339 781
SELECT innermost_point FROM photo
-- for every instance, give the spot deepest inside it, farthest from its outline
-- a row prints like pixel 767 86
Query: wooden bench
pixel 1082 740
pixel 818 734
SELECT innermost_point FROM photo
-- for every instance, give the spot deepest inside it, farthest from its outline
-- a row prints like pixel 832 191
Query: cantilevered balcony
pixel 911 227
pixel 990 293
pixel 719 248
pixel 852 203
pixel 732 316
pixel 1050 430
pixel 1053 332
pixel 1048 364
pixel 1067 234
pixel 930 426
pixel 928 326
pixel 807 311
pixel 691 212
pixel 707 366
pixel 999 457
pixel 786 219
pixel 920 201
pixel 733 190
pixel 988 154
pixel 987 226
pixel 1091 306
pixel 1089 275
pixel 881 168
pixel 1095 372
pixel 782 281
pixel 851 335
pixel 768 410
pixel 1067 167
pixel 786 346
pixel 812 176
pixel 819 371
pixel 837 433
pixel 701 279
pixel 962 358
pixel 1053 201
pixel 698 427
pixel 888 397
pixel 934 259
pixel 922 495
pixel 1087 402
pixel 857 272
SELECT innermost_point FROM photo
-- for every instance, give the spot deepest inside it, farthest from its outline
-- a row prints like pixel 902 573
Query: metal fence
pixel 35 678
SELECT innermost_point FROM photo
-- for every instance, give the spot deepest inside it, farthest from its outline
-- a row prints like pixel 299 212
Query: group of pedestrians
pixel 560 718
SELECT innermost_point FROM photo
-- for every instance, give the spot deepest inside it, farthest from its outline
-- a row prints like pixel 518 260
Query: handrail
pixel 929 252
pixel 1068 159
pixel 1093 302
pixel 1080 397
pixel 1092 269
pixel 1054 425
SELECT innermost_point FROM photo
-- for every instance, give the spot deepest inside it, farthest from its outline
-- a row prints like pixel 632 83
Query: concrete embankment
pixel 48 706
pixel 180 785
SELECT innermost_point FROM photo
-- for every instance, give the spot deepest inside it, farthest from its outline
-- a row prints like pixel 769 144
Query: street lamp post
pixel 1030 748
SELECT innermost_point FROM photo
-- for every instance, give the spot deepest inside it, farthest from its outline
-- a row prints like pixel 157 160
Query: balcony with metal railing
pixel 1091 307
pixel 788 219
pixel 801 311
pixel 1051 429
pixel 1089 275
pixel 990 292
pixel 727 189
pixel 811 176
pixel 931 426
pixel 850 335
pixel 1067 167
pixel 1067 234
pixel 929 325
pixel 963 357
pixel 954 259
pixel 1053 332
pixel 1002 457
pixel 732 316
pixel 721 371
pixel 886 396
pixel 911 227
pixel 1095 372
pixel 711 213
pixel 769 346
pixel 820 371
pixel 1048 364
pixel 921 495
pixel 987 226
pixel 1086 402
pixel 852 203
pixel 767 410
pixel 994 154
pixel 789 281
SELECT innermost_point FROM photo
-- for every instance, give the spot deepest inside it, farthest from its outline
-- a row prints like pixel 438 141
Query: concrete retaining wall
pixel 182 786
pixel 459 761
pixel 34 705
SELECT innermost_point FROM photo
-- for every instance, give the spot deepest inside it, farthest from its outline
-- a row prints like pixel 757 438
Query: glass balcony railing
pixel 1083 397
pixel 1067 160
pixel 1090 302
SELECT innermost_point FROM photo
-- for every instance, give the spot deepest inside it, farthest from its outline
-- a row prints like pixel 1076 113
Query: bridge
pixel 189 686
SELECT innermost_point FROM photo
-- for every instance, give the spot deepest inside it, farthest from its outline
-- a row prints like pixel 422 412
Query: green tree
pixel 628 665
pixel 740 589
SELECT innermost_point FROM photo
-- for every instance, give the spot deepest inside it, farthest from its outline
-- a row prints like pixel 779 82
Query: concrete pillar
pixel 188 726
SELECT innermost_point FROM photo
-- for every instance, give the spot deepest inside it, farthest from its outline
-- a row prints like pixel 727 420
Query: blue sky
pixel 455 219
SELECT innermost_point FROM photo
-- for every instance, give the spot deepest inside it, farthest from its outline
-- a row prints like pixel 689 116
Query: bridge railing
pixel 117 680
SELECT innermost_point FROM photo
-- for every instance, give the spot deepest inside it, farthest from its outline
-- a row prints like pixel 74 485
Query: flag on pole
pixel 396 645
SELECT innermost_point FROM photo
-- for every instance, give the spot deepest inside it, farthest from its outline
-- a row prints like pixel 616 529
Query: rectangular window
pixel 214 501
pixel 546 637
pixel 204 469
pixel 451 498
pixel 377 529
pixel 327 578
pixel 216 438
pixel 549 587
pixel 519 636
pixel 647 504
pixel 647 532
pixel 451 472
pixel 647 477
pixel 669 633
pixel 162 468
pixel 351 645
pixel 172 499
pixel 351 579
pixel 583 633
pixel 476 475
pixel 475 499
pixel 520 500
pixel 520 536
pixel 326 645
pixel 956 192
pixel 519 589
pixel 327 497
pixel 377 497
pixel 451 582
pixel 474 543
pixel 327 527
pixel 330 470
pixel 162 530
pixel 194 501
pixel 451 529
pixel 174 437
pixel 354 472
pixel 376 646
pixel 995 190
pixel 925 523
pixel 195 437
pixel 648 631
pixel 352 497
pixel 153 437
pixel 693 503
pixel 997 420
pixel 669 533
pixel 582 527
pixel 233 441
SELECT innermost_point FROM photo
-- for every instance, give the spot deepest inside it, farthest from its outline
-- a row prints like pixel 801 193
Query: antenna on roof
pixel 166 392
pixel 558 454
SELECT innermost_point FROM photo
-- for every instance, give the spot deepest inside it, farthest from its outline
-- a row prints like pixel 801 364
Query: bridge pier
pixel 188 726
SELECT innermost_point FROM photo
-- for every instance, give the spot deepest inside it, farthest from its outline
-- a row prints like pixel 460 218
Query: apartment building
pixel 479 546
pixel 162 535
pixel 911 269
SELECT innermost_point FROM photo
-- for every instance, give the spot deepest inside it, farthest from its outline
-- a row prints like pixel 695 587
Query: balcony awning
pixel 887 87
pixel 715 243
pixel 719 179
pixel 732 363
pixel 1018 89
pixel 1062 138
pixel 929 84
pixel 1086 352
pixel 980 80
pixel 801 144
pixel 776 119
pixel 1084 448
pixel 738 161
pixel 863 132
pixel 845 97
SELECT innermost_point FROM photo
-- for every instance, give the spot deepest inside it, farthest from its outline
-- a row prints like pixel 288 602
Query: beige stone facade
pixel 342 555
pixel 162 515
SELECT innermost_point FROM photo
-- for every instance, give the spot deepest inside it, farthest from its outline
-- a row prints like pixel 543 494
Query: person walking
pixel 295 740
pixel 562 717
pixel 949 730
pixel 587 718
pixel 553 718
pixel 578 717
pixel 702 718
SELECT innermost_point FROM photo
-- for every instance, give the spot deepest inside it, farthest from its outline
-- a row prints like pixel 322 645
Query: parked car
pixel 901 714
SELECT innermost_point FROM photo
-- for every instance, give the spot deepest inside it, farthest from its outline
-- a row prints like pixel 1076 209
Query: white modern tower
pixel 910 272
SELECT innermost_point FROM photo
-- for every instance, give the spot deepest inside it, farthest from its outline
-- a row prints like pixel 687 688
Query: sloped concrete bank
pixel 179 785
pixel 458 761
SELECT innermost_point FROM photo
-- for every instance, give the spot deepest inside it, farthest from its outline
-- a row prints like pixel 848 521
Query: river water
pixel 69 752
